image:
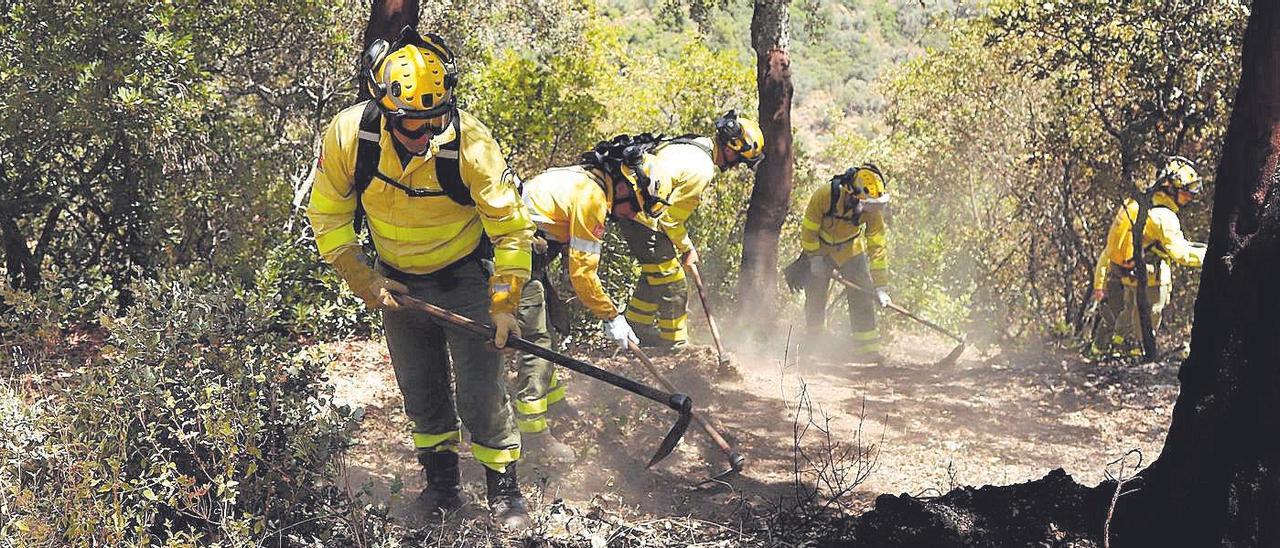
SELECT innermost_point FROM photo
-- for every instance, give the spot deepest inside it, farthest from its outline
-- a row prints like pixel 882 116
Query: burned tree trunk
pixel 386 19
pixel 1217 483
pixel 771 195
pixel 1141 299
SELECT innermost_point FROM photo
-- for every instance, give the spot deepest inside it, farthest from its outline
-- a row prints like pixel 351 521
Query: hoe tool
pixel 681 403
pixel 706 308
pixel 950 358
pixel 735 459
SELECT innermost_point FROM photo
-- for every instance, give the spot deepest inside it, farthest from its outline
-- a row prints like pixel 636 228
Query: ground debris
pixel 594 525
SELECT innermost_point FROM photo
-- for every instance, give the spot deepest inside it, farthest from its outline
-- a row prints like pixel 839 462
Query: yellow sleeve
pixel 493 188
pixel 332 204
pixel 586 231
pixel 688 183
pixel 1100 269
pixel 877 246
pixel 811 223
pixel 1168 231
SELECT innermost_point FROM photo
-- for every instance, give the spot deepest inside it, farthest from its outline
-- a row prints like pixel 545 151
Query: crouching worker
pixel 844 229
pixel 570 206
pixel 1115 283
pixel 432 183
pixel 687 165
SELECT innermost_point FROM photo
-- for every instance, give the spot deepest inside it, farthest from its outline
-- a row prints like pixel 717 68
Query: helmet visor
pixel 445 107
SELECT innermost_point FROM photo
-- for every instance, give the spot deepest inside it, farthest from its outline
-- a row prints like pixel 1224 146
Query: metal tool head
pixel 725 369
pixel 736 460
pixel 684 405
pixel 950 359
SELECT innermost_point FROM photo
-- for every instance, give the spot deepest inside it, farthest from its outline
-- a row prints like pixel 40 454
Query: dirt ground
pixel 919 429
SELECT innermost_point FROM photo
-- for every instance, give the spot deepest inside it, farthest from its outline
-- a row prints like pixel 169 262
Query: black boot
pixel 444 489
pixel 507 509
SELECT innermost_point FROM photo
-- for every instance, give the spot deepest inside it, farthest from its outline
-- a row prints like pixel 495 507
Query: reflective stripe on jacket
pixel 420 235
pixel 841 236
pixel 689 170
pixel 570 205
pixel 1162 237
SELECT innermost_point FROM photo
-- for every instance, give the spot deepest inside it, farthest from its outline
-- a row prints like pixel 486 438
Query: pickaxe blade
pixel 950 359
pixel 684 405
pixel 735 459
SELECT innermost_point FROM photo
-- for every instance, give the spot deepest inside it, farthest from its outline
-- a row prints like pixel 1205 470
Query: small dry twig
pixel 1121 480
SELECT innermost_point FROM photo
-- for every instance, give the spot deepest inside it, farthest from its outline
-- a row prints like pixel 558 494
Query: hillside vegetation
pixel 163 300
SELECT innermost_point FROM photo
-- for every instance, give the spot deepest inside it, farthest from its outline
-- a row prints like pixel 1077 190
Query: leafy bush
pixel 199 423
pixel 305 296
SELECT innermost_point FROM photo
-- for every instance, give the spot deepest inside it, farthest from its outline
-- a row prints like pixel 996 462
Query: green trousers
pixel 538 385
pixel 862 306
pixel 1118 323
pixel 659 304
pixel 422 351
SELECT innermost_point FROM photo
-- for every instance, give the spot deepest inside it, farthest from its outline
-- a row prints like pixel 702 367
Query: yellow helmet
pixel 413 77
pixel 741 135
pixel 649 195
pixel 867 183
pixel 1178 174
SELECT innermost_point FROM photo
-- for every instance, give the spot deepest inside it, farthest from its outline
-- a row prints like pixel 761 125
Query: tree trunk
pixel 22 267
pixel 1143 301
pixel 1217 482
pixel 771 195
pixel 386 19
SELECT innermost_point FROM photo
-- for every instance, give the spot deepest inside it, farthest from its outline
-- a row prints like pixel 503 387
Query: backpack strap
pixel 690 139
pixel 449 169
pixel 835 197
pixel 368 151
pixel 855 218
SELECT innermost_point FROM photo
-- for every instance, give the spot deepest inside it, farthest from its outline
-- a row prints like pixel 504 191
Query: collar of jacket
pixel 388 141
pixel 1163 199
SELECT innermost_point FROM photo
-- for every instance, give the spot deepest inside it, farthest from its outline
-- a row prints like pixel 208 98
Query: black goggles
pixel 445 107
pixel 425 129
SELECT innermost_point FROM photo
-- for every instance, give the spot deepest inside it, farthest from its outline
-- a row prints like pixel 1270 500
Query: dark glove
pixel 797 273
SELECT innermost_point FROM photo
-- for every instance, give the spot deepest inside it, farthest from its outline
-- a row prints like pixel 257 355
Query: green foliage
pixel 541 109
pixel 301 294
pixel 141 135
pixel 1013 146
pixel 197 424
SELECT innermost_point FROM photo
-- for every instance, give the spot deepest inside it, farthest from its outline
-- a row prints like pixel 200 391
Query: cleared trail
pixel 997 419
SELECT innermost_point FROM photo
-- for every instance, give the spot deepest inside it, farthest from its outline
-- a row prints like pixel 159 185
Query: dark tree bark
pixel 22 268
pixel 1217 482
pixel 1150 350
pixel 771 195
pixel 386 19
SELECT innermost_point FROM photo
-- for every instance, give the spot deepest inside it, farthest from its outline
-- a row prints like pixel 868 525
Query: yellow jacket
pixel 420 235
pixel 570 204
pixel 689 169
pixel 841 236
pixel 1162 236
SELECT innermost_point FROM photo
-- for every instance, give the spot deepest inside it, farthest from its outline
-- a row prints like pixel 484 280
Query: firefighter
pixel 844 228
pixel 1115 282
pixel 658 306
pixel 570 206
pixel 432 183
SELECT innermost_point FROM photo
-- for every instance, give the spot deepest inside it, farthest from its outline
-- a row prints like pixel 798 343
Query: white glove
pixel 619 331
pixel 818 266
pixel 882 296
